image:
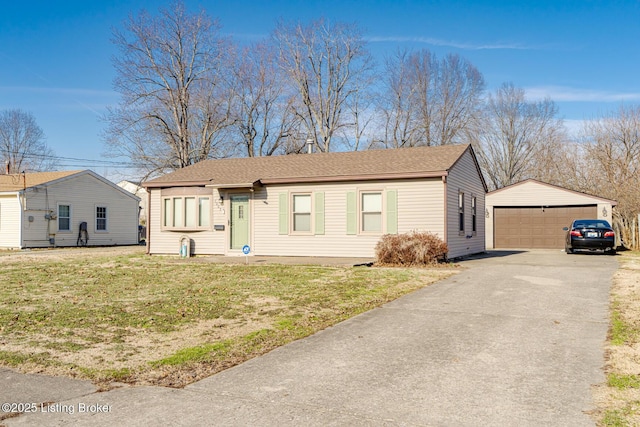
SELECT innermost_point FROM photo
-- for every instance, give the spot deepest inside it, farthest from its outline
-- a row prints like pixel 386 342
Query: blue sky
pixel 55 56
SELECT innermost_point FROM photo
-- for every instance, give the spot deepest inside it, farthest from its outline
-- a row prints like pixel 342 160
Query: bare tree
pixel 459 87
pixel 396 104
pixel 513 134
pixel 429 101
pixel 22 144
pixel 613 163
pixel 324 61
pixel 263 103
pixel 175 100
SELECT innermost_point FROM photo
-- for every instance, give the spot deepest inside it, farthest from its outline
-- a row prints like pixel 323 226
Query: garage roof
pixel 579 197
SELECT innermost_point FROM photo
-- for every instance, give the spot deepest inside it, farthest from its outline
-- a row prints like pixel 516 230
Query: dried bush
pixel 415 248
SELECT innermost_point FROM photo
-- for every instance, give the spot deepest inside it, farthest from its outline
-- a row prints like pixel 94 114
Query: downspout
pixel 148 223
pixel 22 210
pixel 446 216
pixel 446 211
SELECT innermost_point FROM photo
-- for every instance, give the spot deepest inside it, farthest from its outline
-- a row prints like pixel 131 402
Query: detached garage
pixel 531 214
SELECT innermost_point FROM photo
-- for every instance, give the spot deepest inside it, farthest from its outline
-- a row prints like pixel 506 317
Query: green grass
pixel 201 353
pixel 614 418
pixel 53 308
pixel 622 382
pixel 620 417
pixel 622 332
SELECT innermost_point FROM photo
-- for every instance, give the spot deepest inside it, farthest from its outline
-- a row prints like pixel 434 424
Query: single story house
pixel 319 204
pixel 46 209
pixel 531 214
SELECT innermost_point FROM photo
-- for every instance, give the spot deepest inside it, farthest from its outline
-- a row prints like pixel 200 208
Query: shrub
pixel 415 248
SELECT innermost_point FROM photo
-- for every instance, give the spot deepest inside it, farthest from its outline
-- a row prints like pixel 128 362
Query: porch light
pixel 604 211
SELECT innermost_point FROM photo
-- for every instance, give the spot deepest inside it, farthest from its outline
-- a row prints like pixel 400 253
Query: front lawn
pixel 160 320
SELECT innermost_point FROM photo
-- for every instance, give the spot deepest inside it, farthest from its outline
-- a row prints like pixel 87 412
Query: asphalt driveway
pixel 515 339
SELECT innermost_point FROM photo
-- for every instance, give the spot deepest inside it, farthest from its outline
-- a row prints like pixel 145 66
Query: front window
pixel 190 216
pixel 190 212
pixel 101 218
pixel 64 217
pixel 302 213
pixel 204 211
pixel 371 211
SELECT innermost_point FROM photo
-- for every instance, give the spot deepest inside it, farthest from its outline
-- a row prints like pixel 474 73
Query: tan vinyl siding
pixel 83 193
pixel 419 207
pixel 464 177
pixel 537 194
pixel 10 221
pixel 202 241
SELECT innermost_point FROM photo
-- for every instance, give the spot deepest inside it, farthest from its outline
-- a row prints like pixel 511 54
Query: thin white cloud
pixel 450 43
pixel 59 90
pixel 93 100
pixel 570 94
pixel 574 126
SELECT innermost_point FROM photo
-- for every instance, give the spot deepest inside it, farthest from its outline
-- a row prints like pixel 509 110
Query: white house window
pixel 187 213
pixel 64 217
pixel 371 212
pixel 178 214
pixel 204 212
pixel 190 215
pixel 166 216
pixel 302 213
pixel 101 218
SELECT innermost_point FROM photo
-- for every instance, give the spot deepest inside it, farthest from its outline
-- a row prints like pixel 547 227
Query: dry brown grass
pixel 618 401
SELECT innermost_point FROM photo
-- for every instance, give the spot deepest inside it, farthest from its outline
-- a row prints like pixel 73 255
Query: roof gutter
pixel 338 178
pixel 298 179
pixel 257 183
pixel 153 184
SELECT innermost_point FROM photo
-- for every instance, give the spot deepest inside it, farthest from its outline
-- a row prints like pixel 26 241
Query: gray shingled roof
pixel 359 165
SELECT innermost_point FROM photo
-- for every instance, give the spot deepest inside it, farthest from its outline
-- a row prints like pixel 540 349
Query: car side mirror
pixel 565 228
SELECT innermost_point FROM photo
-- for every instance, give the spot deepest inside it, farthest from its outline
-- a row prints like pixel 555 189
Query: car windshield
pixel 591 223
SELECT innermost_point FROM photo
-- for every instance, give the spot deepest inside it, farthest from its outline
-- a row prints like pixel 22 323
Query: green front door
pixel 239 221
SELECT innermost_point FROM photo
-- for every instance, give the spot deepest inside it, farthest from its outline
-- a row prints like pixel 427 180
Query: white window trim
pixel 311 214
pixel 106 219
pixel 196 218
pixel 382 212
pixel 70 230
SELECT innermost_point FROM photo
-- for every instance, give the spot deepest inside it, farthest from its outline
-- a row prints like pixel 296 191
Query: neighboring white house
pixel 321 204
pixel 136 189
pixel 531 214
pixel 46 209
